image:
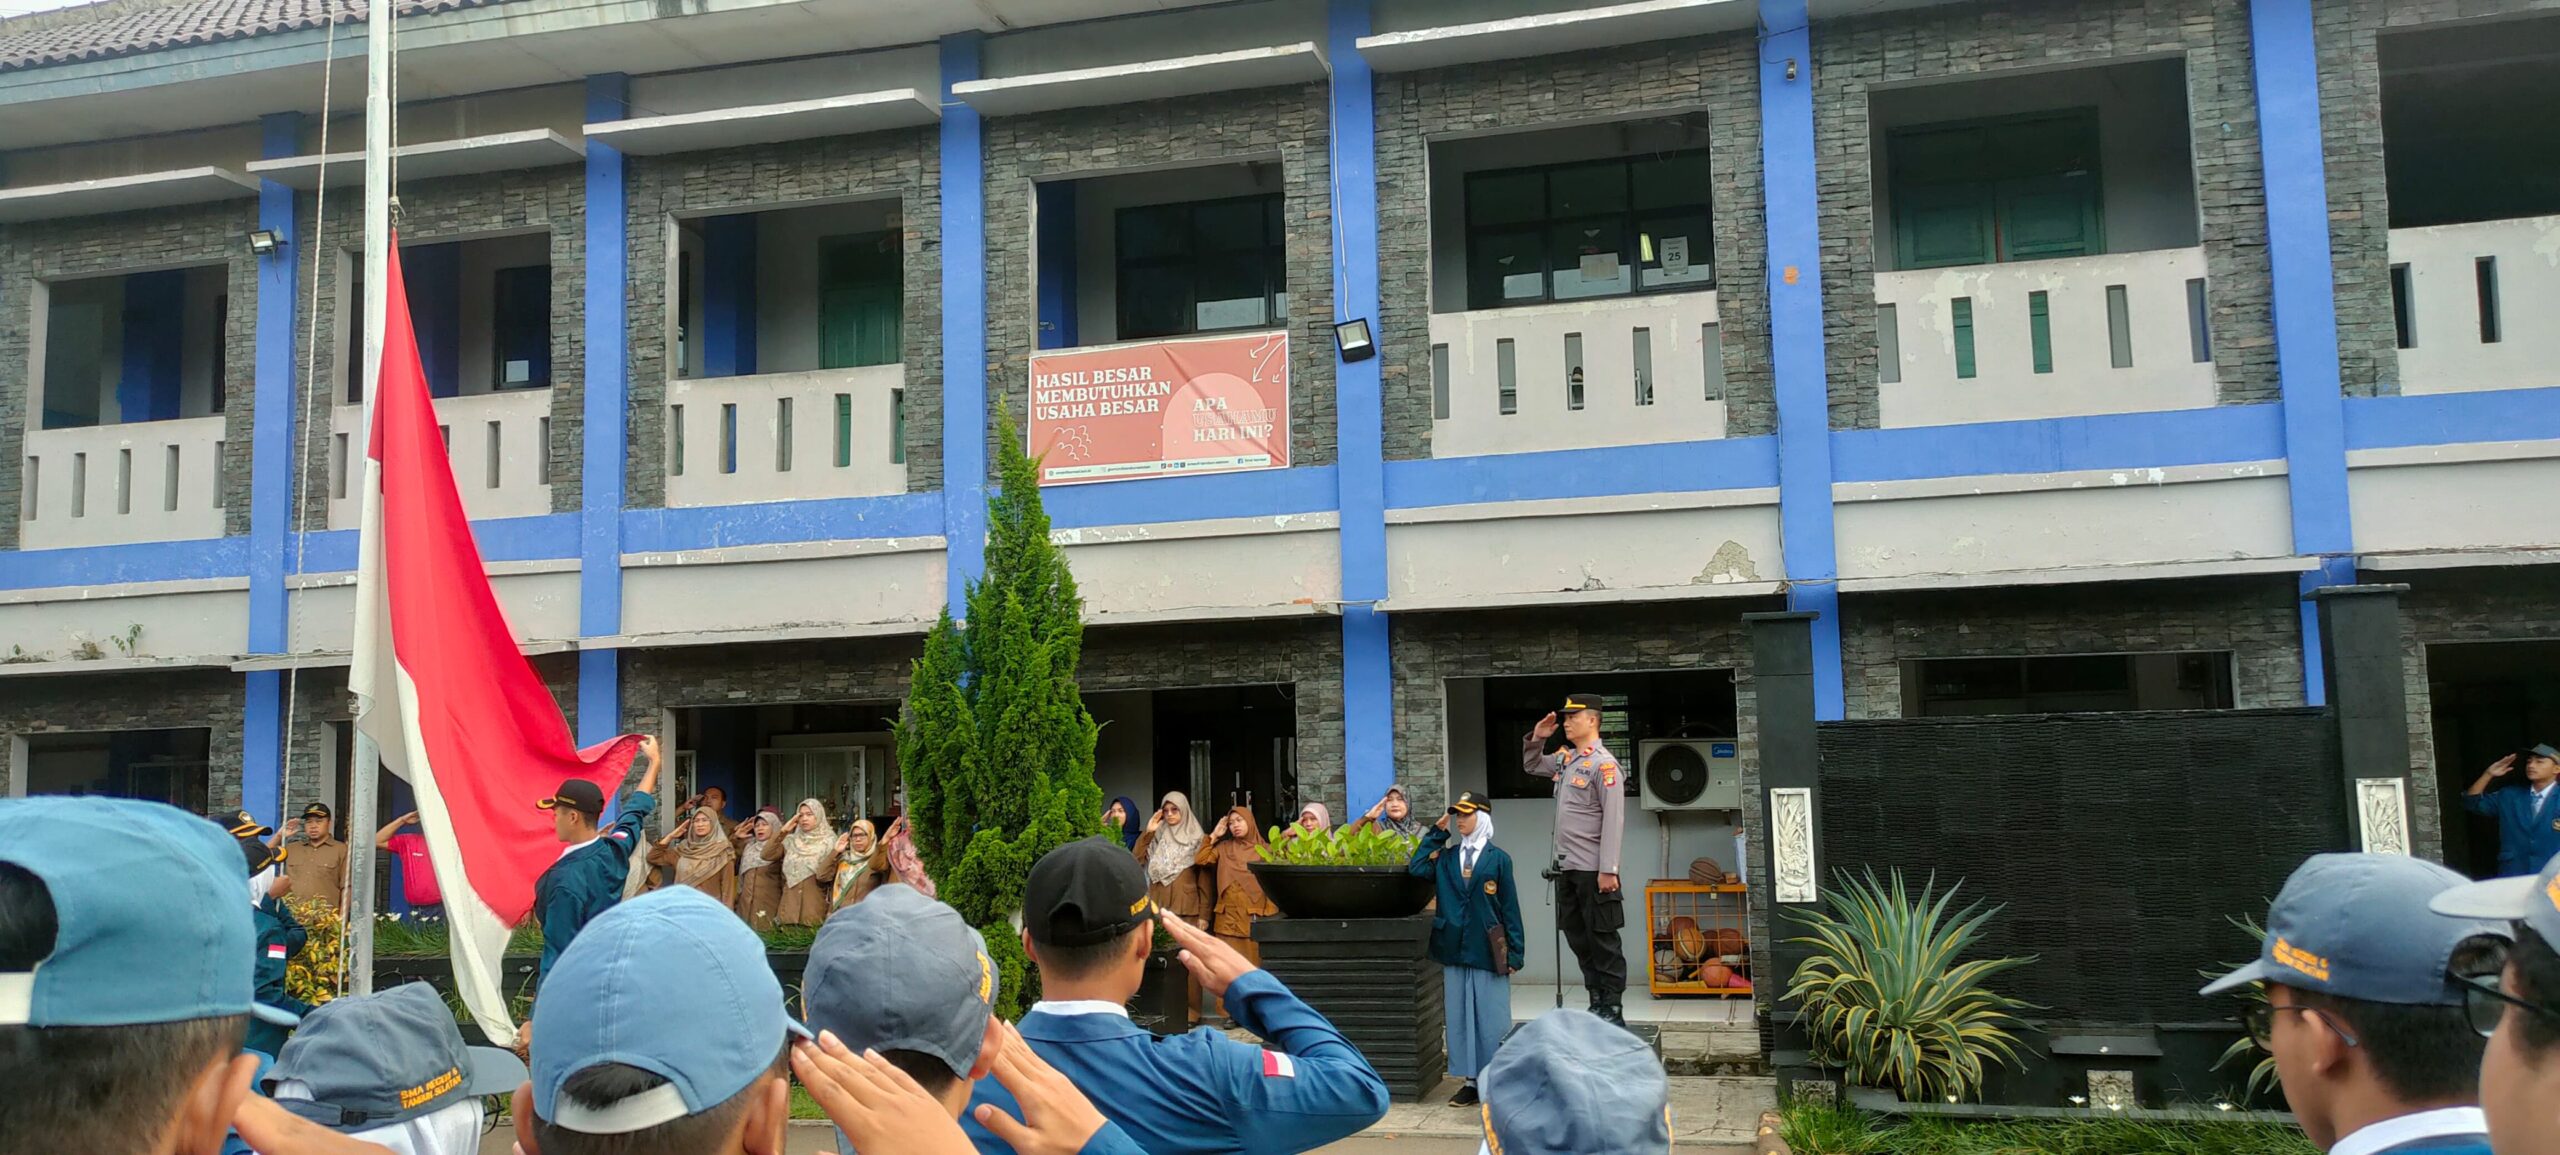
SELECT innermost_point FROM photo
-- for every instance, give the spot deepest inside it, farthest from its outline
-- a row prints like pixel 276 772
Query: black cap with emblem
pixel 1576 703
pixel 1084 894
pixel 577 794
pixel 1468 803
pixel 316 810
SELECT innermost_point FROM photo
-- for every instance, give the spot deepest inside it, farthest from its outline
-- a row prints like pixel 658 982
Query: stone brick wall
pixel 2256 618
pixel 1287 124
pixel 1430 648
pixel 432 211
pixel 1856 57
pixel 214 700
pixel 905 164
pixel 215 234
pixel 2513 604
pixel 1716 76
pixel 2348 33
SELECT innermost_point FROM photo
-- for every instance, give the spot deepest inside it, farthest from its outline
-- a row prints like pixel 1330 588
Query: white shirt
pixel 2541 796
pixel 2407 1129
pixel 1073 1007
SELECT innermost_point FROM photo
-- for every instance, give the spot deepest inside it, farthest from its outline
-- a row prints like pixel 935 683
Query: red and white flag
pixel 442 687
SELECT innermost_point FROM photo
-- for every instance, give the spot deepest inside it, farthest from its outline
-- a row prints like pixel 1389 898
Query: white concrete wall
pixel 1098 204
pixel 539 599
pixel 1192 32
pixel 675 93
pixel 813 471
pixel 2447 355
pixel 231 147
pixel 787 246
pixel 2448 498
pixel 202 621
pixel 1452 160
pixel 813 587
pixel 1212 568
pixel 2148 184
pixel 1413 15
pixel 2084 379
pixel 1664 544
pixel 110 484
pixel 492 437
pixel 561 108
pixel 1961 526
pixel 1687 400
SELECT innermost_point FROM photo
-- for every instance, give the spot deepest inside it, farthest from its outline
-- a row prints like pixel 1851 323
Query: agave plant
pixel 2262 1077
pixel 1367 846
pixel 1886 999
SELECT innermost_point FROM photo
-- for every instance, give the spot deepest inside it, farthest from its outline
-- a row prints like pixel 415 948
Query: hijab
pixel 1130 823
pixel 261 882
pixel 759 851
pixel 1471 845
pixel 1324 819
pixel 856 862
pixel 1177 847
pixel 699 860
pixel 1409 826
pixel 904 863
pixel 804 851
pixel 1236 856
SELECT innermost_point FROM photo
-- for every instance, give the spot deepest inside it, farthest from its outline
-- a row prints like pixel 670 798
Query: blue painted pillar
pixel 155 306
pixel 433 274
pixel 2305 299
pixel 1057 229
pixel 964 326
pixel 1368 682
pixel 729 296
pixel 1795 341
pixel 271 459
pixel 604 454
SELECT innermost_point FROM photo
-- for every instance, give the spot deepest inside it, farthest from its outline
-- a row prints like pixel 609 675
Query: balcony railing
pixel 1626 371
pixel 111 484
pixel 2121 333
pixel 787 436
pixel 2453 290
pixel 499 445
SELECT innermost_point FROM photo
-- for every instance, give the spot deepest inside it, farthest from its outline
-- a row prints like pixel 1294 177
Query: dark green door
pixel 2018 189
pixel 861 290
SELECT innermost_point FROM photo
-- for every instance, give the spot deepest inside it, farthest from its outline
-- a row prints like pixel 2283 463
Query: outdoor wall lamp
pixel 1351 339
pixel 264 241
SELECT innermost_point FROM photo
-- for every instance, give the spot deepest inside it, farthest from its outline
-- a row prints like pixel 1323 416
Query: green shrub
pixel 1367 846
pixel 2262 1076
pixel 1813 1129
pixel 1885 998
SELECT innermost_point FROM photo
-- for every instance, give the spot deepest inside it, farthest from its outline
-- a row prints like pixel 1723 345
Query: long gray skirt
pixel 1479 1009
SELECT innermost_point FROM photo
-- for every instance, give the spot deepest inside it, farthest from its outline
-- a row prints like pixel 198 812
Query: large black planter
pixel 1373 980
pixel 1343 892
pixel 1163 1004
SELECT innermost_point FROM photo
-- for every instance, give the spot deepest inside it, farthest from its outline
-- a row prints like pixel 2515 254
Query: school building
pixel 2049 352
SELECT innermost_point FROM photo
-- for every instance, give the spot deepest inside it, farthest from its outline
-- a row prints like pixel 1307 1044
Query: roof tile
pixel 114 28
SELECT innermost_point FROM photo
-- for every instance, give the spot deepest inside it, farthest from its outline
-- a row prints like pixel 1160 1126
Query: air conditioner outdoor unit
pixel 1690 774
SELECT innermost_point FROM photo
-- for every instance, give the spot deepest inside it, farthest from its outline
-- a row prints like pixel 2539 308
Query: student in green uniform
pixel 280 934
pixel 589 876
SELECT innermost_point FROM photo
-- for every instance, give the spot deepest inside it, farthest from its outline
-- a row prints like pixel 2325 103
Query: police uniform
pixel 589 877
pixel 1198 1092
pixel 1591 819
pixel 318 869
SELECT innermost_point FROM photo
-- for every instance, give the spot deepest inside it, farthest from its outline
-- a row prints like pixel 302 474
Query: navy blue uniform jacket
pixel 1205 1092
pixel 280 937
pixel 588 880
pixel 1470 907
pixel 2526 839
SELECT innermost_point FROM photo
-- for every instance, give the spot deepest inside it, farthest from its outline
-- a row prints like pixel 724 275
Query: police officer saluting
pixel 1591 821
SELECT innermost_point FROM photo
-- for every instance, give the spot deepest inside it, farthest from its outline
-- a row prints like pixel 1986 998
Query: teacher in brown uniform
pixel 317 863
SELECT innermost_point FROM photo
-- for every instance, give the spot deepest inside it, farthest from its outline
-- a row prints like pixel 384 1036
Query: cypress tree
pixel 994 743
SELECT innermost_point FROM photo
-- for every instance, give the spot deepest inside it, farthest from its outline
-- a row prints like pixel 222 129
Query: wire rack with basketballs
pixel 1700 938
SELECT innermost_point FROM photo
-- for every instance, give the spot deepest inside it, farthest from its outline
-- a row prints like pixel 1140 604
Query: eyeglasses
pixel 2485 1001
pixel 2261 1021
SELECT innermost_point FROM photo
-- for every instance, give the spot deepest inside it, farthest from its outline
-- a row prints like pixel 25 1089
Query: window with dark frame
pixel 2067 684
pixel 520 328
pixel 1200 267
pixel 1606 228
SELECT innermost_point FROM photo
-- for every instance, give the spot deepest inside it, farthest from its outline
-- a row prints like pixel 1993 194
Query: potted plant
pixel 1885 1000
pixel 1163 1004
pixel 1342 874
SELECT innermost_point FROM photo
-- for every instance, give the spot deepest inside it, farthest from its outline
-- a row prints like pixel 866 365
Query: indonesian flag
pixel 440 685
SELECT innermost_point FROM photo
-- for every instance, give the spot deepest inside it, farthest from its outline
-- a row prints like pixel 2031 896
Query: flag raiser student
pixel 1089 925
pixel 2364 1009
pixel 588 878
pixel 905 977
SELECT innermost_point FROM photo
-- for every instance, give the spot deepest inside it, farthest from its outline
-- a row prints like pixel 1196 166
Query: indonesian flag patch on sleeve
pixel 275 950
pixel 1278 1066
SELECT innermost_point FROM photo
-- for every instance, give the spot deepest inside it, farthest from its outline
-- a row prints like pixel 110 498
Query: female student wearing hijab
pixel 1170 848
pixel 702 855
pixel 1313 818
pixel 1121 819
pixel 1230 852
pixel 904 862
pixel 1393 814
pixel 280 934
pixel 808 866
pixel 862 862
pixel 759 843
pixel 1475 935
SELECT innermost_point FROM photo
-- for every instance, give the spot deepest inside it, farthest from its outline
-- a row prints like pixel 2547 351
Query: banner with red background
pixel 1161 409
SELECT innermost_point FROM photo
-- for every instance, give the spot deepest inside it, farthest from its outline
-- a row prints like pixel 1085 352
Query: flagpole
pixel 363 782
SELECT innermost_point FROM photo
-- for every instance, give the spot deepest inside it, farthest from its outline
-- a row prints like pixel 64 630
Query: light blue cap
pixel 1569 1083
pixel 2533 900
pixel 152 905
pixel 2356 926
pixel 672 983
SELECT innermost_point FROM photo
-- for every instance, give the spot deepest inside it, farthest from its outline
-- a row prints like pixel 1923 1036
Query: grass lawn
pixel 802 1106
pixel 1814 1130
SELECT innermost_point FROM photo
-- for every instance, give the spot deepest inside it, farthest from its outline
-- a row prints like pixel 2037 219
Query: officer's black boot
pixel 1607 1010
